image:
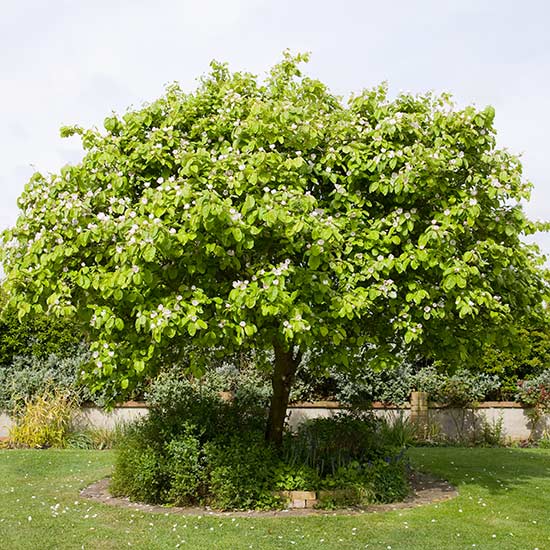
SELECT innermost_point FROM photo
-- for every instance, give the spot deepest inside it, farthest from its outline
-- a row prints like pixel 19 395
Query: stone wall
pixel 510 418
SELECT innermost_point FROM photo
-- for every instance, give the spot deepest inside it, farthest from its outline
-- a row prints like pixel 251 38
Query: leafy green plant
pixel 240 470
pixel 80 440
pixel 194 448
pixel 535 392
pixel 327 444
pixel 96 438
pixel 294 477
pixel 361 388
pixel 139 468
pixel 544 441
pixel 464 388
pixel 388 481
pixel 492 432
pixel 378 481
pixel 398 431
pixel 185 464
pixel 44 422
pixel 38 335
pixel 524 357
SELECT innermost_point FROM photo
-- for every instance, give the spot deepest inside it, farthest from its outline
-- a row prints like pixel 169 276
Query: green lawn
pixel 504 503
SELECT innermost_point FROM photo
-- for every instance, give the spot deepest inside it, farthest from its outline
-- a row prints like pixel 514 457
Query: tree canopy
pixel 270 213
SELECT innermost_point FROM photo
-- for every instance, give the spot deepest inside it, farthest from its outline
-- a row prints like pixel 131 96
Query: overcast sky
pixel 73 62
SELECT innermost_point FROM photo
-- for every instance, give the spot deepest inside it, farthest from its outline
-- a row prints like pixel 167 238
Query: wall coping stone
pixel 337 405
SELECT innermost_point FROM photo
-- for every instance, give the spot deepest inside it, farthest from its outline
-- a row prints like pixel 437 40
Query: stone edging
pixel 426 489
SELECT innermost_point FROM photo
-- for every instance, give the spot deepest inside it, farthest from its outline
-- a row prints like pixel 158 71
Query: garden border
pixel 425 489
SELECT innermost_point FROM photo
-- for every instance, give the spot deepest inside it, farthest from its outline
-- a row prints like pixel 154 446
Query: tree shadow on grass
pixel 497 470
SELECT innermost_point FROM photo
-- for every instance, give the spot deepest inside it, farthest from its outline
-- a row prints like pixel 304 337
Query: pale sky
pixel 74 62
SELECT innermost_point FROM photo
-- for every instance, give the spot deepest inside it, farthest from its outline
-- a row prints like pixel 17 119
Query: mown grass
pixel 504 503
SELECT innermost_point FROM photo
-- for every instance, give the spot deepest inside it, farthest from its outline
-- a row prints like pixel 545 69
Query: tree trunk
pixel 283 376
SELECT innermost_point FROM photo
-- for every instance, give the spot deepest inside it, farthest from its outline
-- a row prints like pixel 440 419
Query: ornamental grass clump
pixel 44 421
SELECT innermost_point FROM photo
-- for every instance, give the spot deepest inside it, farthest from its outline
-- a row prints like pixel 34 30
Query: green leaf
pixel 249 203
pixel 314 261
pixel 450 282
pixel 149 253
pixel 237 234
pixel 139 366
pixel 110 123
pixel 24 308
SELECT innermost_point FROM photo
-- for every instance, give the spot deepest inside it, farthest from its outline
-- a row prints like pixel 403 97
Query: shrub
pixel 525 357
pixel 174 399
pixel 140 471
pixel 429 380
pixel 535 392
pixel 388 480
pixel 345 452
pixel 195 449
pixel 184 464
pixel 45 421
pixel 379 481
pixel 191 450
pixel 239 471
pixel 28 376
pixel 107 438
pixel 294 477
pixel 80 440
pixel 465 387
pixel 492 432
pixel 39 335
pixel 392 385
pixel 398 431
pixel 459 389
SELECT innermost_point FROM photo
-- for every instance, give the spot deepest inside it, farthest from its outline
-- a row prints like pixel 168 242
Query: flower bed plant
pixel 195 449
